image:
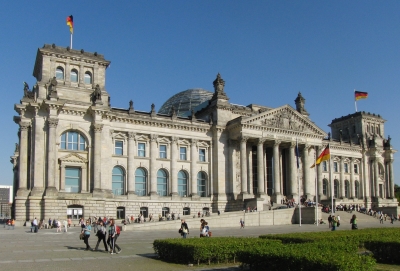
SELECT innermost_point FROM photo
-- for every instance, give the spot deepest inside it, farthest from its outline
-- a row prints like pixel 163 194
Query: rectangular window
pixel 346 168
pixel 163 151
pixel 182 153
pixel 335 167
pixel 72 179
pixel 324 167
pixel 142 149
pixel 119 147
pixel 202 155
pixel 355 168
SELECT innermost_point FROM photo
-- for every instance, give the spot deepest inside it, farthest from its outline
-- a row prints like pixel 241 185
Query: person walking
pixel 101 236
pixel 353 222
pixel 86 234
pixel 35 225
pixel 241 223
pixel 381 218
pixel 330 221
pixel 65 224
pixel 334 223
pixel 184 228
pixel 112 237
pixel 58 225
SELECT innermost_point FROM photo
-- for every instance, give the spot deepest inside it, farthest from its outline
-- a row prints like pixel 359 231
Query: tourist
pixel 330 221
pixel 86 234
pixel 112 237
pixel 101 236
pixel 35 225
pixel 338 220
pixel 241 223
pixel 58 225
pixel 381 218
pixel 353 222
pixel 65 223
pixel 184 228
pixel 69 222
pixel 334 223
pixel 13 223
pixel 49 226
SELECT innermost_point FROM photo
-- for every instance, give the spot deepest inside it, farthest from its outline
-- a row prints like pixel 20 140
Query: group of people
pixel 10 223
pixel 204 229
pixel 100 228
pixel 334 221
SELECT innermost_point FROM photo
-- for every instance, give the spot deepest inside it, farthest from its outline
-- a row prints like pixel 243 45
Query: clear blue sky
pixel 266 51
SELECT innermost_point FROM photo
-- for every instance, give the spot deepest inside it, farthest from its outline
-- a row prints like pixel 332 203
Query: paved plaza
pixel 47 250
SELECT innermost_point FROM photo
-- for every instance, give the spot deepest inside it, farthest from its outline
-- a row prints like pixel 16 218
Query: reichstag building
pixel 78 156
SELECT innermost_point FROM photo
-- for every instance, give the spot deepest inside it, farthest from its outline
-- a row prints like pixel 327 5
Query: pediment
pixel 73 158
pixel 184 142
pixel 142 138
pixel 119 136
pixel 202 144
pixel 163 140
pixel 284 118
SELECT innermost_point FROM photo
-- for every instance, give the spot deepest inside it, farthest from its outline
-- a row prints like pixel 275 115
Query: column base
pixel 131 195
pixel 154 195
pixel 51 191
pixel 195 197
pixel 102 193
pixel 37 192
pixel 23 192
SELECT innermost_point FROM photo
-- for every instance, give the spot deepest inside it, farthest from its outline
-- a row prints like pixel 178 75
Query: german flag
pixel 360 95
pixel 325 155
pixel 70 23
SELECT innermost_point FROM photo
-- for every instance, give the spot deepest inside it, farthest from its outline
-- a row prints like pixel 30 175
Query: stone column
pixel 260 167
pixel 318 150
pixel 174 166
pixel 153 165
pixel 67 74
pixel 51 157
pixel 62 176
pixel 81 76
pixel 352 183
pixel 243 164
pixel 364 181
pixel 391 179
pixel 131 166
pixel 376 177
pixel 308 188
pixel 249 159
pixel 342 184
pixel 277 172
pixel 98 128
pixel 193 167
pixel 23 158
pixel 39 156
pixel 293 171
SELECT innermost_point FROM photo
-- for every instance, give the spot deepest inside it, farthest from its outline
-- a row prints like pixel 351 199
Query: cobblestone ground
pixel 48 250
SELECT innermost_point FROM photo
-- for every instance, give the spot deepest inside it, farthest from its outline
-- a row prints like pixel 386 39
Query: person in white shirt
pixel 35 225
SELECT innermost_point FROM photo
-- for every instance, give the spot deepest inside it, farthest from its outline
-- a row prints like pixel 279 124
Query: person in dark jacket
pixel 184 228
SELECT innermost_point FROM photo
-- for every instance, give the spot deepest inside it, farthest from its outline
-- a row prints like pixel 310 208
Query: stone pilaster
pixel 352 181
pixel 391 179
pixel 23 159
pixel 39 156
pixel 277 174
pixel 153 165
pixel 131 160
pixel 293 171
pixel 51 189
pixel 342 184
pixel 97 189
pixel 193 168
pixel 260 167
pixel 243 164
pixel 174 166
pixel 308 188
pixel 376 177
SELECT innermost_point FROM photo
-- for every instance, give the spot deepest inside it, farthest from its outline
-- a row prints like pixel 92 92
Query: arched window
pixel 325 187
pixel 88 78
pixel 162 183
pixel 182 183
pixel 201 184
pixel 357 189
pixel 336 188
pixel 140 182
pixel 59 73
pixel 346 189
pixel 118 178
pixel 74 76
pixel 73 141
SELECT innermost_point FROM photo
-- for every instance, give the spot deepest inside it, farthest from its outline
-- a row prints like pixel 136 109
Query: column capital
pixel 97 127
pixel 153 138
pixel 24 125
pixel 131 135
pixel 53 122
pixel 261 141
pixel 277 143
pixel 175 139
pixel 244 139
pixel 292 144
pixel 194 142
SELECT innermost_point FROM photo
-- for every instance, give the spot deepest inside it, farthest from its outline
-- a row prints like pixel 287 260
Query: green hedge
pixel 337 250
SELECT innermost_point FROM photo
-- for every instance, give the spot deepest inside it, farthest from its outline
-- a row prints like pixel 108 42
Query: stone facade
pixel 78 156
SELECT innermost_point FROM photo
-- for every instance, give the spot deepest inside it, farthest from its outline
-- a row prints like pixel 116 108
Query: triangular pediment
pixel 163 140
pixel 202 144
pixel 184 142
pixel 73 158
pixel 284 118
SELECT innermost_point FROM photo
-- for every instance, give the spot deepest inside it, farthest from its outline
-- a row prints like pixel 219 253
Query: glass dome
pixel 185 101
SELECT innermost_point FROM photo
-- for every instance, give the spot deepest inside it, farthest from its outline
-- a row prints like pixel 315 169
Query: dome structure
pixel 183 102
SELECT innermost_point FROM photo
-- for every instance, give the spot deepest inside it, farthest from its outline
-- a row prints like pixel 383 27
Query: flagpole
pixel 71 42
pixel 298 180
pixel 316 185
pixel 355 100
pixel 332 185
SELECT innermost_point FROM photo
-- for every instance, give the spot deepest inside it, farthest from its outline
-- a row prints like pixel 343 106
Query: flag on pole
pixel 70 23
pixel 358 95
pixel 325 155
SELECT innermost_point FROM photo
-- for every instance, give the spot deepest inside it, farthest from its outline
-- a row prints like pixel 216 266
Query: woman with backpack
pixel 101 235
